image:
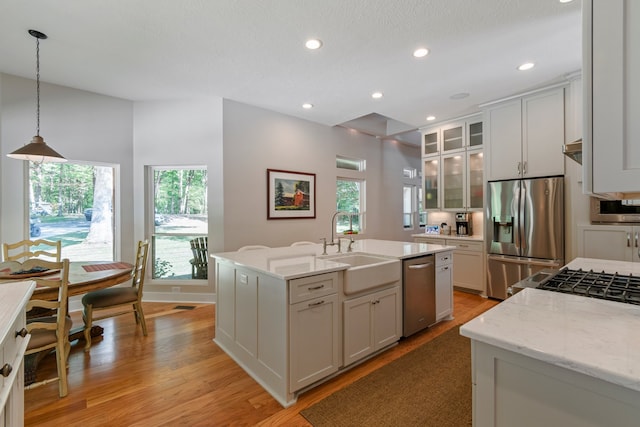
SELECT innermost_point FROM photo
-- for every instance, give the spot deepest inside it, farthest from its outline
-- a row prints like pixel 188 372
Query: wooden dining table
pixel 84 276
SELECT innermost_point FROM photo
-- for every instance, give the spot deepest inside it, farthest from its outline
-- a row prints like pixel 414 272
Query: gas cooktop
pixel 608 286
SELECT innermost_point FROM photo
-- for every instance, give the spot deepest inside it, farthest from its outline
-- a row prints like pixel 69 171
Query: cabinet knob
pixel 6 370
pixel 22 333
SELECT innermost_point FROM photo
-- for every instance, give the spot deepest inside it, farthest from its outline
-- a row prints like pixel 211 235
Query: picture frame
pixel 290 194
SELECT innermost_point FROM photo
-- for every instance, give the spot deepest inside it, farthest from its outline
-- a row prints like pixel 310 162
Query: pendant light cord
pixel 37 86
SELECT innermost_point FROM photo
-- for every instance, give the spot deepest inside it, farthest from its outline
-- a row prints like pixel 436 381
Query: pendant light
pixel 37 150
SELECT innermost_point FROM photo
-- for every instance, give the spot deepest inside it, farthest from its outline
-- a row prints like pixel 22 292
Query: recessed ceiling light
pixel 526 66
pixel 307 106
pixel 313 44
pixel 566 1
pixel 431 118
pixel 376 95
pixel 421 52
pixel 461 95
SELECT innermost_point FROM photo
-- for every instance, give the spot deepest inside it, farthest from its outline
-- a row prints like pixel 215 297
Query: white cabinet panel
pixel 613 242
pixel 444 286
pixel 611 38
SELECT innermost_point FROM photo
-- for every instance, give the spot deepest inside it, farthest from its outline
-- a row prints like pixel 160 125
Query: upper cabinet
pixel 524 136
pixel 611 73
pixel 453 165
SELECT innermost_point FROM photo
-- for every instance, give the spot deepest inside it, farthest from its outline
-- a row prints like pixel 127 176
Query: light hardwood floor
pixel 178 376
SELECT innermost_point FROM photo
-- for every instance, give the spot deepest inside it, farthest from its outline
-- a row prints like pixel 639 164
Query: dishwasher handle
pixel 420 266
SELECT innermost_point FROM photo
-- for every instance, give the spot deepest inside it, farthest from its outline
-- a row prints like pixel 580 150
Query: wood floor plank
pixel 178 376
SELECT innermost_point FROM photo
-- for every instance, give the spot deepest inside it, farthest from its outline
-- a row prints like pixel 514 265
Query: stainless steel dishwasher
pixel 419 294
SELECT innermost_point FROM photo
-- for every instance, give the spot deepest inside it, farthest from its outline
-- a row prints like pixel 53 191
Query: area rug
pixel 429 386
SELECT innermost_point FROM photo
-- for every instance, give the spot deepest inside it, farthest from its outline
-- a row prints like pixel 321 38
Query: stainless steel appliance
pixel 608 286
pixel 463 224
pixel 419 294
pixel 525 230
pixel 614 211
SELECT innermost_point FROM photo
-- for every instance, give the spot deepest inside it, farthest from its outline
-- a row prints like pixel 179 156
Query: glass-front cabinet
pixel 431 175
pixel 453 165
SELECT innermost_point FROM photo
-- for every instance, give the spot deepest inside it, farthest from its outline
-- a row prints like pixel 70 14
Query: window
pixel 73 202
pixel 412 208
pixel 350 164
pixel 350 198
pixel 407 205
pixel 180 215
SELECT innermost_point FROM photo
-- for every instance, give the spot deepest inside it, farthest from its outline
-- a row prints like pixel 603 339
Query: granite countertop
pixel 292 262
pixel 587 335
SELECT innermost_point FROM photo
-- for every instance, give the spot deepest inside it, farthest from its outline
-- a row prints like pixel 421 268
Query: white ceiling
pixel 252 51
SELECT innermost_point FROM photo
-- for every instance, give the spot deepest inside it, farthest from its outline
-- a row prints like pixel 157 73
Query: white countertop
pixel 473 238
pixel 13 297
pixel 587 335
pixel 291 262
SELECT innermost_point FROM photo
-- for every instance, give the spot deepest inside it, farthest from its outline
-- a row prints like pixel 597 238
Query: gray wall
pixel 256 139
pixel 81 126
pixel 90 127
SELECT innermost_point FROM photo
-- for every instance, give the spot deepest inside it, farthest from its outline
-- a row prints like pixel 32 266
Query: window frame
pixel 150 227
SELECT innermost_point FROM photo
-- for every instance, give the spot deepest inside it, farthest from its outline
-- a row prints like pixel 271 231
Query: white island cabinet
pixel 13 344
pixel 543 358
pixel 282 313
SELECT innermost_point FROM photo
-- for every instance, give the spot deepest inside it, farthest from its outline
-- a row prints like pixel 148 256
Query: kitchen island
pixel 286 316
pixel 554 359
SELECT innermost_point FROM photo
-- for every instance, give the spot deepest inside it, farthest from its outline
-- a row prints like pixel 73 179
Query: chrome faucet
pixel 333 229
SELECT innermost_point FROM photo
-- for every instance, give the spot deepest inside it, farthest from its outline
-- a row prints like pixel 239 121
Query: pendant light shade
pixel 37 150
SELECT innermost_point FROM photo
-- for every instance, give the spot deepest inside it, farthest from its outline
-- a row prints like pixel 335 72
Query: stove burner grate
pixel 608 286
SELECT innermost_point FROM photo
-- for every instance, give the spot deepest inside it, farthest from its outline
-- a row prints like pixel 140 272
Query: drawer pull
pixel 315 288
pixel 463 246
pixel 6 370
pixel 313 304
pixel 22 333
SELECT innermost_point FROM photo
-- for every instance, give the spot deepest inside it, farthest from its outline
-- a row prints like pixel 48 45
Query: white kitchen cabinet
pixel 524 136
pixel 13 345
pixel 444 286
pixel 511 389
pixel 468 261
pixel 613 242
pixel 286 333
pixel 453 170
pixel 315 340
pixel 371 322
pixel 611 67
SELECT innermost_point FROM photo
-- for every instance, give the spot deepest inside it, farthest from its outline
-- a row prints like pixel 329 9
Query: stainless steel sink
pixel 367 271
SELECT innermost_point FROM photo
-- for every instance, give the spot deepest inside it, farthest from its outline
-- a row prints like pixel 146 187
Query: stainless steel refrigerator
pixel 525 230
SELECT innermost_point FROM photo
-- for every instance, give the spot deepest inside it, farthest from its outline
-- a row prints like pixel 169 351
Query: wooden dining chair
pixel 51 332
pixel 200 260
pixel 25 249
pixel 118 297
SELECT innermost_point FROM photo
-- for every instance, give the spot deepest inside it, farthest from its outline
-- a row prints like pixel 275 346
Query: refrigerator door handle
pixel 525 261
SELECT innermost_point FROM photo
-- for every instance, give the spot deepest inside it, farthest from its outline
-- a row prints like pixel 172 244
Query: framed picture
pixel 290 195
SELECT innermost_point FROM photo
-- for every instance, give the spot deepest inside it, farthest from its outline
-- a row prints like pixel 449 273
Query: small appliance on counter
pixel 463 224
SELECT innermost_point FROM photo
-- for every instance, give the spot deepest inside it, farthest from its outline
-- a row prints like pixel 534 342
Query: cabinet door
pixel 444 292
pixel 358 329
pixel 468 270
pixel 475 183
pixel 453 137
pixel 543 134
pixel 387 319
pixel 453 178
pixel 431 173
pixel 474 132
pixel 615 94
pixel 503 144
pixel 431 142
pixel 225 300
pixel 314 341
pixel 611 242
pixel 246 311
